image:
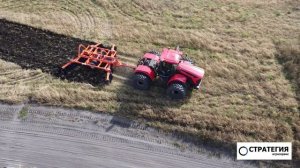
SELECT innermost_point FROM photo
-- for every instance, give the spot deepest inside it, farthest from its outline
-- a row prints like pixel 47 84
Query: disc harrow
pixel 99 56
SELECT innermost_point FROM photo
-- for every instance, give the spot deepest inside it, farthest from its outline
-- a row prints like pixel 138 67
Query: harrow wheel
pixel 110 78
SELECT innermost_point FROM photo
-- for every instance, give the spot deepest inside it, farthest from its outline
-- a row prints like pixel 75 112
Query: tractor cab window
pixel 166 69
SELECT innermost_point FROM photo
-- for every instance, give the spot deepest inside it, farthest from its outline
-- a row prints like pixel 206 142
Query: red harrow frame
pixel 98 56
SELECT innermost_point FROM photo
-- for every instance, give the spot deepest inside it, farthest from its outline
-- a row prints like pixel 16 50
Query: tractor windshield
pixel 166 69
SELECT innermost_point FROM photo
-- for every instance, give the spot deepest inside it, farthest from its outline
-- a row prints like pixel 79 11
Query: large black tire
pixel 141 82
pixel 176 91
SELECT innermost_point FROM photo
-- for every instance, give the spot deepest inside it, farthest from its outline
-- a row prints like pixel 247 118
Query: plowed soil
pixel 33 48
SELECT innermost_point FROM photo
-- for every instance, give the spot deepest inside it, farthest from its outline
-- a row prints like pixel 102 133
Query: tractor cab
pixel 171 56
pixel 169 60
pixel 165 69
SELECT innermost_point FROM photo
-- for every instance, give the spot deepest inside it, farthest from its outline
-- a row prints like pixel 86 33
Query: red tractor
pixel 177 71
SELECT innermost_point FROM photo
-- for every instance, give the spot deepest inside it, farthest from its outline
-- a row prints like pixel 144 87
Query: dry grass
pixel 245 95
pixel 289 56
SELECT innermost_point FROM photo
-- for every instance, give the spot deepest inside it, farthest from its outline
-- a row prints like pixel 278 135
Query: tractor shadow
pixel 33 48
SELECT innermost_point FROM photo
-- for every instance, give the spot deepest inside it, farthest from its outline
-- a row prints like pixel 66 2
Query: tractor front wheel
pixel 176 91
pixel 141 81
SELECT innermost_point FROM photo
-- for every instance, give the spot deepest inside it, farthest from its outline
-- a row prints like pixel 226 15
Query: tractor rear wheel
pixel 176 91
pixel 141 81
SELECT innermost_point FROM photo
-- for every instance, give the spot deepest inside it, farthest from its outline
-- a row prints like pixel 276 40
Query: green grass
pixel 23 113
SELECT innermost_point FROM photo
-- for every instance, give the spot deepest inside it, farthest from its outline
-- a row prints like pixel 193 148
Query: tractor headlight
pixel 198 85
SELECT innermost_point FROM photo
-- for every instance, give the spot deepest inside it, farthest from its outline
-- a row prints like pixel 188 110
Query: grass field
pixel 250 50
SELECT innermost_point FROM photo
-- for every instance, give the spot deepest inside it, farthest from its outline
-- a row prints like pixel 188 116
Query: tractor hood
pixel 191 69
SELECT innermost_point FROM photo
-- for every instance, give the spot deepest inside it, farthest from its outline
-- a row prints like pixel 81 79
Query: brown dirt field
pixel 33 48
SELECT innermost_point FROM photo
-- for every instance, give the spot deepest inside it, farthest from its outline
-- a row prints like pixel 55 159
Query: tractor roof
pixel 171 56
